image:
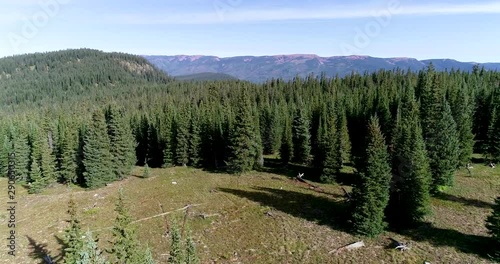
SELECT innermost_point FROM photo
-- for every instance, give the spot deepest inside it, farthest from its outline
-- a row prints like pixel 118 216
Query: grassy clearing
pixel 260 217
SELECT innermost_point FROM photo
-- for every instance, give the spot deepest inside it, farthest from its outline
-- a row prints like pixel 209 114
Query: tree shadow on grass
pixel 39 251
pixel 464 201
pixel 321 210
pixel 275 166
pixel 481 246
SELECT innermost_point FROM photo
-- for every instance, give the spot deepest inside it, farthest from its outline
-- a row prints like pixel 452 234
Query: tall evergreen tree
pixel 410 186
pixel 493 142
pixel 122 143
pixel 286 148
pixel 97 158
pixel 182 136
pixel 371 194
pixel 65 153
pixel 301 137
pixel 464 120
pixel 443 149
pixel 344 143
pixel 37 181
pixel 21 149
pixel 47 162
pixel 241 145
pixel 194 141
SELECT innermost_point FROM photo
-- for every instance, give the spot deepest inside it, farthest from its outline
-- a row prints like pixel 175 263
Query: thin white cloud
pixel 240 15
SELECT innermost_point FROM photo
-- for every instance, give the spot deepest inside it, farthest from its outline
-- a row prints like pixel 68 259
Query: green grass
pixel 304 226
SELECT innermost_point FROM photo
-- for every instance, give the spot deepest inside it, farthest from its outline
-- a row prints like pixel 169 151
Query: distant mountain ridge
pixel 261 68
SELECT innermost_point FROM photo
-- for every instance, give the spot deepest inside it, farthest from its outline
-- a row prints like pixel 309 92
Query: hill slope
pixel 70 74
pixel 259 69
pixel 253 218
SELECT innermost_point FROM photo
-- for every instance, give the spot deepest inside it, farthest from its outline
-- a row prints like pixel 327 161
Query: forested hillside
pixel 86 117
pixel 71 75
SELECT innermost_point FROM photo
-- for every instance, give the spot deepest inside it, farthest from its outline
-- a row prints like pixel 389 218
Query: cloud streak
pixel 240 15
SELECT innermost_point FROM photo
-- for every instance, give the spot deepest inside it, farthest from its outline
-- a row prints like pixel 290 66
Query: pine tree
pixel 493 226
pixel 97 158
pixel 90 252
pixel 301 137
pixel 241 141
pixel 72 235
pixel 443 149
pixel 410 199
pixel 124 245
pixel 371 194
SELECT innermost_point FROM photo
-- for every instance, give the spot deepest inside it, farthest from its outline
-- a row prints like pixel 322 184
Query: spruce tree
pixel 124 245
pixel 97 158
pixel 47 162
pixel 65 153
pixel 286 148
pixel 122 143
pixel 194 141
pixel 167 142
pixel 191 256
pixel 37 181
pixel 72 235
pixel 464 120
pixel 301 137
pixel 241 138
pixel 4 155
pixel 90 252
pixel 175 246
pixel 148 257
pixel 410 186
pixel 493 140
pixel 21 149
pixel 332 155
pixel 344 144
pixel 371 194
pixel 443 149
pixel 182 136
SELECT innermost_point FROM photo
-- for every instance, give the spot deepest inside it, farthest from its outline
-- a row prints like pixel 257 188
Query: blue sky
pixel 459 29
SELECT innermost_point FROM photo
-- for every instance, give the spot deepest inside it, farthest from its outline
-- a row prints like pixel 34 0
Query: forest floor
pixel 259 217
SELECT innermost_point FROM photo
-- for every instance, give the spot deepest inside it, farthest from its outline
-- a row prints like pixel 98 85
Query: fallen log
pixel 349 247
